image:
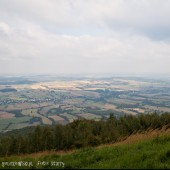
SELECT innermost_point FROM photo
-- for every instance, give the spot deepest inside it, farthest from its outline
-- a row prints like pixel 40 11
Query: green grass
pixel 150 154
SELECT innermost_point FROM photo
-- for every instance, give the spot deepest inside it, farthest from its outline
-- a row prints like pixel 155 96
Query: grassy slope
pixel 148 150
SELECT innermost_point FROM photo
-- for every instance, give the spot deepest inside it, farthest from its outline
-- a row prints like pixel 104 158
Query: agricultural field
pixel 14 123
pixel 89 116
pixel 6 115
pixel 69 117
pixel 53 100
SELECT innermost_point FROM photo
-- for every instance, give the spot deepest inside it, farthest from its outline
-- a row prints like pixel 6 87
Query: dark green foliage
pixel 80 133
pixel 148 154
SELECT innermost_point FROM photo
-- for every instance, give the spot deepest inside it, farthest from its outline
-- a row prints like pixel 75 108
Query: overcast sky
pixel 84 36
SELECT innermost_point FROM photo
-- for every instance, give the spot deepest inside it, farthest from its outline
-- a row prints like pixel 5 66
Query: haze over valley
pixel 29 101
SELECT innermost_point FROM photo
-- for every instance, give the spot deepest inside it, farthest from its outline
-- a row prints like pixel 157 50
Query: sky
pixel 84 36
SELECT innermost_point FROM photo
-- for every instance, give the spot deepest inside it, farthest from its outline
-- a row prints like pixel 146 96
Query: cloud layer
pixel 84 36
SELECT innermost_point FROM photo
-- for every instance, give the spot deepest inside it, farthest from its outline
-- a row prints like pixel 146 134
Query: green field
pixel 18 126
pixel 150 154
pixel 30 112
pixel 15 120
pixel 33 113
pixel 71 118
pixel 14 123
pixel 3 126
pixel 90 116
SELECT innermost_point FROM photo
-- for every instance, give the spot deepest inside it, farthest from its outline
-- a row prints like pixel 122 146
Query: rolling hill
pixel 147 150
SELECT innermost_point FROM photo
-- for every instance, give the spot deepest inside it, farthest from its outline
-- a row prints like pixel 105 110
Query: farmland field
pixel 56 100
pixel 89 116
pixel 6 115
pixel 70 117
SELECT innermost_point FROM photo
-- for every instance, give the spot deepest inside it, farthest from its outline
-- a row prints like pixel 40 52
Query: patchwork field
pixel 62 100
pixel 89 116
pixel 69 117
pixel 6 115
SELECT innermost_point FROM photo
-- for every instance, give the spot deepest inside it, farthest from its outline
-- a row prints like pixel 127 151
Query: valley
pixel 45 100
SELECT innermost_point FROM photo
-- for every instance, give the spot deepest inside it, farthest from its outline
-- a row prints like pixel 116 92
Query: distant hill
pixel 8 90
pixel 16 82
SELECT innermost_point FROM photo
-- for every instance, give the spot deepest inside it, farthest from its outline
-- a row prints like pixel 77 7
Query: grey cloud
pixel 59 16
pixel 84 36
pixel 149 18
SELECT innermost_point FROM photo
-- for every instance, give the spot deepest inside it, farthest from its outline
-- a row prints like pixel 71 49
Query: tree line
pixel 80 133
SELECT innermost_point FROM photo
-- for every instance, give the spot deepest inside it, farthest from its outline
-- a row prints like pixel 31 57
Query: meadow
pixel 152 153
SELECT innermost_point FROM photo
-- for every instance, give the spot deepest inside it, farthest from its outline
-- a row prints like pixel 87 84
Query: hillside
pixel 150 149
pixel 80 133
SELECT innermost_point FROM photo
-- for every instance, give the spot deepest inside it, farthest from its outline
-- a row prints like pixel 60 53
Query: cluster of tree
pixel 80 133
